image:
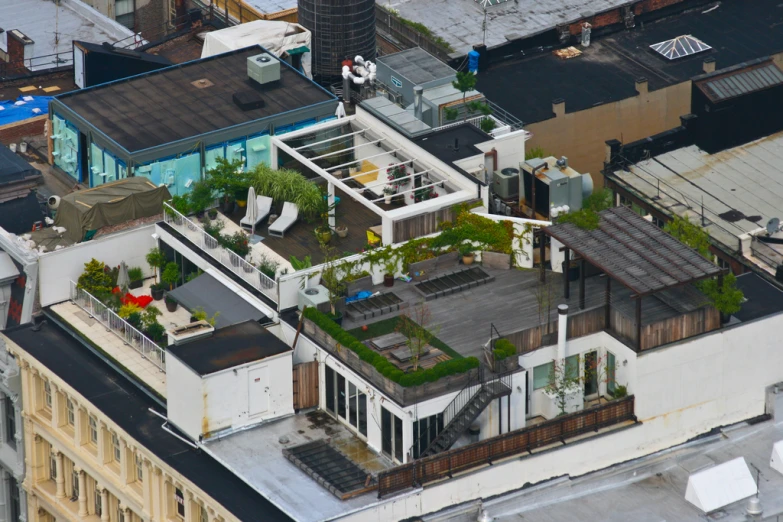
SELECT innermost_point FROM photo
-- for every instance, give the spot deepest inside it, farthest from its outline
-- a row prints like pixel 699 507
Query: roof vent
pixel 263 68
pixel 203 83
pixel 680 47
pixel 248 100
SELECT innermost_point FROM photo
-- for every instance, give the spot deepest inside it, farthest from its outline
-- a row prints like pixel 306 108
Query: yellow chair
pixel 373 239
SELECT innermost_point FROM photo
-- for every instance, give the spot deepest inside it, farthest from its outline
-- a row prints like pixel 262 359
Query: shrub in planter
pixel 268 267
pixel 136 276
pixel 467 253
pixel 95 279
pixel 134 319
pixel 155 331
pixel 170 275
pixel 127 309
pixel 156 291
pixel 237 243
pixel 171 304
pixel 620 391
pixel 504 349
pixel 212 213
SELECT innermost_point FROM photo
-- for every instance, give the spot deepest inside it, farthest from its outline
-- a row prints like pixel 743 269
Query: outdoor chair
pixel 263 207
pixel 287 218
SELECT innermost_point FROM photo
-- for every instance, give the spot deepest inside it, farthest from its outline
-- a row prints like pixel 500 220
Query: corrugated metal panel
pixel 744 82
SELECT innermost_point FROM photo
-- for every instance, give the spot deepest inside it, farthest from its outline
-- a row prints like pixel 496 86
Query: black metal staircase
pixel 463 410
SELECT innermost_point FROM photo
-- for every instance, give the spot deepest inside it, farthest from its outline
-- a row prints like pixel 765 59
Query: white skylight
pixel 680 47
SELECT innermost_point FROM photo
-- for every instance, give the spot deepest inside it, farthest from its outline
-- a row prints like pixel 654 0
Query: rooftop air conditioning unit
pixel 505 183
pixel 316 297
pixel 263 68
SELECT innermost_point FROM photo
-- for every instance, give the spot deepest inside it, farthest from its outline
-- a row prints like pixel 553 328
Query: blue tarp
pixel 12 113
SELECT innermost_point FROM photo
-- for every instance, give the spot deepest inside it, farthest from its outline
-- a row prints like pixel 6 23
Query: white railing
pixel 119 326
pixel 225 257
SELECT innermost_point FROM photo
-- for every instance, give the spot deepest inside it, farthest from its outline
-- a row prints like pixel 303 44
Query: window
pixel 52 466
pixel 10 423
pixel 424 432
pixel 203 516
pixel 341 402
pixel 330 390
pixel 120 513
pixel 572 367
pixel 93 429
pixel 15 505
pixel 47 394
pixel 75 482
pixel 611 369
pixel 391 435
pixel 98 501
pixel 179 499
pixel 139 468
pixel 71 415
pixel 349 404
pixel 541 375
pixel 123 13
pixel 115 446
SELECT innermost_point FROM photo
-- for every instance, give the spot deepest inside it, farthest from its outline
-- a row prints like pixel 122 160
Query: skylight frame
pixel 680 47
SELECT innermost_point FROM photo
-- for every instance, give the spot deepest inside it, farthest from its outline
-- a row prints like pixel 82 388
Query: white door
pixel 258 391
pixel 78 67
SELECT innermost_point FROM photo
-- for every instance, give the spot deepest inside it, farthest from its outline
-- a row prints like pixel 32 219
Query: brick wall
pixel 615 16
pixel 647 6
pixel 151 19
pixel 16 132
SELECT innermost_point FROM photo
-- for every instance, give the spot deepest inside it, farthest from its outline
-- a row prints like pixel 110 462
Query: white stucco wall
pixel 59 267
pixel 184 398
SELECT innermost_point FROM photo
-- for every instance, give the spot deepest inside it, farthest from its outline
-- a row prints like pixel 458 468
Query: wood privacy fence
pixel 305 381
pixel 423 224
pixel 669 330
pixel 444 465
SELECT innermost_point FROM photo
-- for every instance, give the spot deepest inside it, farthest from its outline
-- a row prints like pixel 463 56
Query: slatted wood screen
pixel 305 379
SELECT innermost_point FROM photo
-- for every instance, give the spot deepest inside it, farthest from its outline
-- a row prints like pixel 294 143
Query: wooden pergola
pixel 632 251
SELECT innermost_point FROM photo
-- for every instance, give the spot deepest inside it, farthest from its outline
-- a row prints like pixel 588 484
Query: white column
pixel 5 495
pixel 330 200
pixel 22 504
pixel 60 479
pixel 104 505
pixel 82 492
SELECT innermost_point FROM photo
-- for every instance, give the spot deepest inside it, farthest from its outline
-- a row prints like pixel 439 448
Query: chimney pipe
pixel 562 332
pixel 709 65
pixel 417 94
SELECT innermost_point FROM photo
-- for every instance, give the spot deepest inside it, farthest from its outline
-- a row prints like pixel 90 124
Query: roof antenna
pixel 455 148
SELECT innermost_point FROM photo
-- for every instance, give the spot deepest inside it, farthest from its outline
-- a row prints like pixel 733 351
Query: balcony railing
pixel 241 268
pixel 516 443
pixel 119 326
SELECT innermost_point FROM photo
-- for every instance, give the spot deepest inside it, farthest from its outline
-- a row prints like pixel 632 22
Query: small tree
pixel 600 369
pixel 545 298
pixel 414 328
pixel 229 178
pixel 563 379
pixel 95 279
pixel 689 234
pixel 157 260
pixel 170 275
pixel 465 82
pixel 725 297
pixel 332 277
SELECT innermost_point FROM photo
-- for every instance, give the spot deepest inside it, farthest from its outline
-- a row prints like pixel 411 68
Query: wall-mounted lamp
pixel 155 236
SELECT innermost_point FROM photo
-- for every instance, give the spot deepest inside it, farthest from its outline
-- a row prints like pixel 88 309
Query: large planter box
pixel 359 285
pixel 447 260
pixel 509 364
pixel 423 269
pixel 496 260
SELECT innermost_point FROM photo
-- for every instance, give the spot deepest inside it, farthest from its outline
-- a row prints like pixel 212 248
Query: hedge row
pixel 504 349
pixel 380 363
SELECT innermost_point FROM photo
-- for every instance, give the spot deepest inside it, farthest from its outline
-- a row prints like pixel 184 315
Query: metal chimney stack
pixel 562 331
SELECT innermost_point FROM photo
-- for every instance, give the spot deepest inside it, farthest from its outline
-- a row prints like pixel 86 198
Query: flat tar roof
pixel 607 70
pixel 454 143
pixel 164 106
pixel 417 66
pixel 229 347
pixel 127 406
pixel 14 168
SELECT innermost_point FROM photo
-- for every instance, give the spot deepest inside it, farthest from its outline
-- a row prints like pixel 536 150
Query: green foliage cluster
pixel 199 314
pixel 135 273
pixel 599 200
pixel 170 275
pixel 726 298
pixel 689 234
pixel 504 349
pixel 289 185
pixel 535 152
pixel 423 29
pixel 585 219
pixel 95 279
pixel 381 364
pixel 229 178
pixel 620 391
pixel 300 264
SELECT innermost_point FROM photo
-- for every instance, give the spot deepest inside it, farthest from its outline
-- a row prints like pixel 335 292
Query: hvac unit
pixel 505 183
pixel 316 297
pixel 550 183
pixel 263 68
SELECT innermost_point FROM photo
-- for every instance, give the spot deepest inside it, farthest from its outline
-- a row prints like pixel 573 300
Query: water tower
pixel 341 29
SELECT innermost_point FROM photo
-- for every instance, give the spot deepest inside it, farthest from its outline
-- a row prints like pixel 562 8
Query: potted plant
pixel 213 228
pixel 170 275
pixel 238 244
pixel 155 331
pixel 332 279
pixel 227 204
pixel 156 291
pixel 201 197
pixel 341 230
pixel 126 310
pixel 134 319
pixel 212 213
pixel 389 269
pixel 171 303
pixel 397 175
pixel 268 267
pixel 157 260
pixel 199 314
pixel 388 193
pixel 136 276
pixel 323 233
pixel 467 253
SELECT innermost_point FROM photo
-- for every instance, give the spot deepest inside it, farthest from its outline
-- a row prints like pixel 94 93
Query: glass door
pixel 611 369
pixel 591 376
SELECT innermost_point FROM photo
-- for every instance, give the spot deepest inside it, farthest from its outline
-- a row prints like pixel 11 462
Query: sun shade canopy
pixel 210 294
pixel 634 252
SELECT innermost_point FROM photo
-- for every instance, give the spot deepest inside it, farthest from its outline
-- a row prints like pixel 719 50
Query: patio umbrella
pixel 123 280
pixel 340 112
pixel 252 209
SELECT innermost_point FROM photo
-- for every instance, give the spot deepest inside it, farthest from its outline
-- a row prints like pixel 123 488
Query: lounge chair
pixel 263 207
pixel 287 218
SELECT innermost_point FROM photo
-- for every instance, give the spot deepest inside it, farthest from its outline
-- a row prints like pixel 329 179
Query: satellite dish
pixel 773 225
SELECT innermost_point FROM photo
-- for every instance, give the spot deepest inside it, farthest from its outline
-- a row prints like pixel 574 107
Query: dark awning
pixel 213 296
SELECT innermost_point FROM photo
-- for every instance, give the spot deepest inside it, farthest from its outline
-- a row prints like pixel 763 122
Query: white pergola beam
pixel 412 190
pixel 330 139
pixel 347 149
pixel 392 152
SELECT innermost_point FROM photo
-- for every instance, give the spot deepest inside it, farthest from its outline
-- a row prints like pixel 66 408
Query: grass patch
pixel 387 326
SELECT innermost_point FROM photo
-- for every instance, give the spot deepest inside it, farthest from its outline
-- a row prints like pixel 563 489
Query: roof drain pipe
pixel 494 155
pixel 166 429
pixel 562 333
pixel 417 95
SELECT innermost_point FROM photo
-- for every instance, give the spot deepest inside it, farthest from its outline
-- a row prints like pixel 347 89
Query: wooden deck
pixel 300 240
